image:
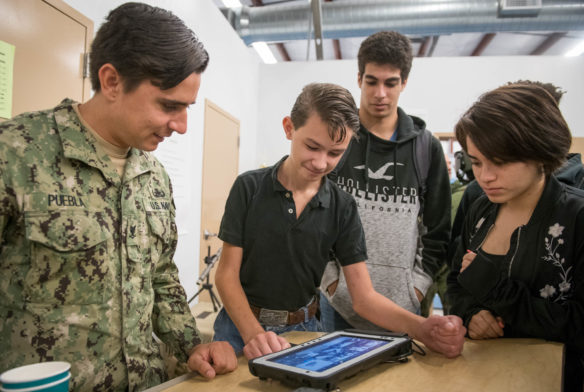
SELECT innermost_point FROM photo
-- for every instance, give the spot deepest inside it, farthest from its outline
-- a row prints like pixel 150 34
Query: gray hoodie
pixel 406 233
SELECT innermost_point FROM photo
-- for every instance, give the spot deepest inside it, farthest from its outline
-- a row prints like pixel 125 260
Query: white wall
pixel 439 89
pixel 230 81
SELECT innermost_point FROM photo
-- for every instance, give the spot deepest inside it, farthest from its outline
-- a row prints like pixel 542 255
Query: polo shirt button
pixel 288 194
pixel 290 210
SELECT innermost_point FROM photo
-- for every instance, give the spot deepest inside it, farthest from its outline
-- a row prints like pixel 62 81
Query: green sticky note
pixel 6 78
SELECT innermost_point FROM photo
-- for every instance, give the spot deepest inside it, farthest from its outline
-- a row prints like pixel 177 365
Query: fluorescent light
pixel 576 50
pixel 264 52
pixel 231 3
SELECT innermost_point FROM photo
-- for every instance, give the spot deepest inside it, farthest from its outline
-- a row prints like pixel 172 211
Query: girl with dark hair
pixel 519 270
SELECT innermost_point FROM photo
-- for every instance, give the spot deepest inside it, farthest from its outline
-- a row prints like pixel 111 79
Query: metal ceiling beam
pixel 485 41
pixel 424 46
pixel 337 49
pixel 547 43
pixel 359 18
pixel 283 51
pixel 434 43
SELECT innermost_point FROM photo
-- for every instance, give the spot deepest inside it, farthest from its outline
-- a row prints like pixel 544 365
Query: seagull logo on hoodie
pixel 379 174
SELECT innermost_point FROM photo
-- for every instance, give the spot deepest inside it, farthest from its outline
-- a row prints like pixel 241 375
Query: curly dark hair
pixel 386 47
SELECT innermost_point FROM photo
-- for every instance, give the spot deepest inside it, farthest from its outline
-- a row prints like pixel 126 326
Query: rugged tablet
pixel 324 361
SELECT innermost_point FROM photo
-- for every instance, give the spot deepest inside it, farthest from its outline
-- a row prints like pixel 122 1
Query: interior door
pixel 50 39
pixel 577 145
pixel 220 163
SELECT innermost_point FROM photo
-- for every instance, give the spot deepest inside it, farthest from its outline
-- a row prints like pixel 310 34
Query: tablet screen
pixel 329 353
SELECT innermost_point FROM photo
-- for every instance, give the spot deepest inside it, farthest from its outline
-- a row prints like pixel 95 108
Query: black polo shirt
pixel 284 257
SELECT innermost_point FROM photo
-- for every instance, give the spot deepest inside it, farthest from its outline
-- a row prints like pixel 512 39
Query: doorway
pixel 220 165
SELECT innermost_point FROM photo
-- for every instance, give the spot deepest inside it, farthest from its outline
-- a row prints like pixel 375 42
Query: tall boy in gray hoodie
pixel 406 218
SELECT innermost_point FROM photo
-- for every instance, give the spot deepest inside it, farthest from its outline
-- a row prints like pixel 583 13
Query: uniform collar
pixel 78 143
pixel 322 197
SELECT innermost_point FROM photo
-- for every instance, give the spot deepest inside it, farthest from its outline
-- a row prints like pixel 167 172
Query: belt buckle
pixel 273 317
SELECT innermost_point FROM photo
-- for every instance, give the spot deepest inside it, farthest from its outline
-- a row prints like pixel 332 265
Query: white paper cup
pixel 41 377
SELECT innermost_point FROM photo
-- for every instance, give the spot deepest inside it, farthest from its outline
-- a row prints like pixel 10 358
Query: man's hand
pixel 484 325
pixel 264 343
pixel 213 358
pixel 443 334
pixel 467 259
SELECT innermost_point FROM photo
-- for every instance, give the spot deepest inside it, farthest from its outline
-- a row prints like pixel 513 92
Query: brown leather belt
pixel 283 317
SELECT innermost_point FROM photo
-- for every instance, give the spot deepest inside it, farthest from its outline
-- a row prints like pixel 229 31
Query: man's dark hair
pixel 334 105
pixel 517 123
pixel 386 47
pixel 146 43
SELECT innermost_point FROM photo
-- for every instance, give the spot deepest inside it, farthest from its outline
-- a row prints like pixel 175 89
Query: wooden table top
pixel 489 365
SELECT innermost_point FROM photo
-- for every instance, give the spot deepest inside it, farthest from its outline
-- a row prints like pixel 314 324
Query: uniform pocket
pixel 69 258
pixel 147 238
pixel 160 225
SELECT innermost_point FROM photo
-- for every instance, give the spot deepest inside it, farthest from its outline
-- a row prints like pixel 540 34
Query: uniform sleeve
pixel 435 221
pixel 7 199
pixel 172 319
pixel 528 314
pixel 350 246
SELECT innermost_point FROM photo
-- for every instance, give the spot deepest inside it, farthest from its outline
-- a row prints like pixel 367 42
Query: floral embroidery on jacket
pixel 552 244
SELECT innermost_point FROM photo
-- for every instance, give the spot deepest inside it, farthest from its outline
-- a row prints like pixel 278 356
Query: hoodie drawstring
pixel 367 144
pixel 395 163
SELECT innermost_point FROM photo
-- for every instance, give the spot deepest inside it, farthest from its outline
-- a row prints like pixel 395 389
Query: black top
pixel 283 256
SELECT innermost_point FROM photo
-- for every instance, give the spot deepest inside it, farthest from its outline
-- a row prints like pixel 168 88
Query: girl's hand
pixel 467 259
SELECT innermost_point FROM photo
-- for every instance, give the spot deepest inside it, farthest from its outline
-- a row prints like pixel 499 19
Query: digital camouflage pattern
pixel 86 257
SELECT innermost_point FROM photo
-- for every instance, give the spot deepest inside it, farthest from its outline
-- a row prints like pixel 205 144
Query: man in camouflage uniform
pixel 87 216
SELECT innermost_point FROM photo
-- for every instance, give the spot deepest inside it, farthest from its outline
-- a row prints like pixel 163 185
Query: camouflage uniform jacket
pixel 86 257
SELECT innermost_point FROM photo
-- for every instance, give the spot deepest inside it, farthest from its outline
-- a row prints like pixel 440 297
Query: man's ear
pixel 110 81
pixel 288 127
pixel 359 79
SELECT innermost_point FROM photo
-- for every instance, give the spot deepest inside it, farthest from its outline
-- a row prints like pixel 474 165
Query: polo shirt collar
pixel 322 197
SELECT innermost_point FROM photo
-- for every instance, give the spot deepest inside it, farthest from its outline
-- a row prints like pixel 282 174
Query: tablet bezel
pixel 394 347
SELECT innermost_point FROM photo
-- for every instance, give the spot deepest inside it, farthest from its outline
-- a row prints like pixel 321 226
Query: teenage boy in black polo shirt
pixel 279 226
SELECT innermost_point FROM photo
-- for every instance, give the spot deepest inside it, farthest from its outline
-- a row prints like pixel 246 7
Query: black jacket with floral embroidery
pixel 538 287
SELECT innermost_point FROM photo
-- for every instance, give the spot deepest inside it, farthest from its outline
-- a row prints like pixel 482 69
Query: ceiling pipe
pixel 360 18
